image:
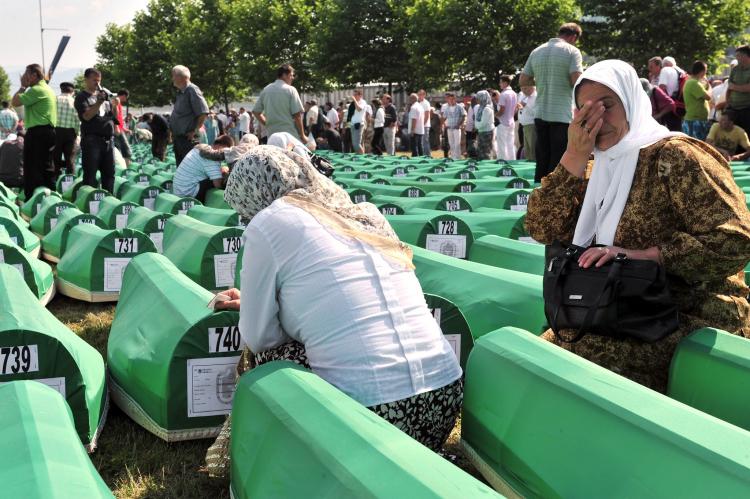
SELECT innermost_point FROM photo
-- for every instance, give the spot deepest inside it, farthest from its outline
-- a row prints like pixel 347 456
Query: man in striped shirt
pixel 8 121
pixel 66 131
pixel 196 174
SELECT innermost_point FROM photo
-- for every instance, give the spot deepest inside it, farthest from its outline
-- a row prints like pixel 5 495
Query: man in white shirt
pixel 453 118
pixel 505 132
pixel 312 118
pixel 359 121
pixel 427 117
pixel 244 122
pixel 416 126
pixel 332 116
pixel 669 80
pixel 526 104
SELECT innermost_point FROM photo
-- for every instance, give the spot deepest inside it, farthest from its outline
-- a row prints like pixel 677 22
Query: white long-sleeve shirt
pixel 364 322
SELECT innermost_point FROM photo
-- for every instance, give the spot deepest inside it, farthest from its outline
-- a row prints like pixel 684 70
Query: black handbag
pixel 624 297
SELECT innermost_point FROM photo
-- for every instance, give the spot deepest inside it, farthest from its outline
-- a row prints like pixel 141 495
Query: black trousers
pixel 38 169
pixel 742 119
pixel 471 144
pixel 182 146
pixel 417 146
pixel 377 141
pixel 551 141
pixel 65 141
pixel 97 155
pixel 203 187
pixel 159 146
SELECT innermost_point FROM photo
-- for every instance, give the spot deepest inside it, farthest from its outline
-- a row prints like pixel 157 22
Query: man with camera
pixel 94 106
pixel 40 118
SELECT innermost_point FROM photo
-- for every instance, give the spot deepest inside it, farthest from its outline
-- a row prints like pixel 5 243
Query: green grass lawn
pixel 135 463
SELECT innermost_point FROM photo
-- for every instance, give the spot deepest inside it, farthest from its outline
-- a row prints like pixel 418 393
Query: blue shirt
pixel 193 169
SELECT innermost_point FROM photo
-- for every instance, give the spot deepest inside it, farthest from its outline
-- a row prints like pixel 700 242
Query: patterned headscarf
pixel 267 173
pixel 484 100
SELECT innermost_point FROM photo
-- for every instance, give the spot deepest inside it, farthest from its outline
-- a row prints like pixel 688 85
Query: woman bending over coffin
pixel 328 284
pixel 651 194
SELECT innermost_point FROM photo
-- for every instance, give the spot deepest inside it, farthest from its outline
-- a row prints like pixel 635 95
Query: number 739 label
pixel 224 339
pixel 19 359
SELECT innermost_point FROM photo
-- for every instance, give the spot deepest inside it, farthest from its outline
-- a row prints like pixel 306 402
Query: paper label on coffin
pixel 93 207
pixel 57 384
pixel 210 386
pixel 224 268
pixel 149 203
pixel 447 245
pixel 114 268
pixel 158 239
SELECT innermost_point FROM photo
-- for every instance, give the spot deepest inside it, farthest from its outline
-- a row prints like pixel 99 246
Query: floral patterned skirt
pixel 427 417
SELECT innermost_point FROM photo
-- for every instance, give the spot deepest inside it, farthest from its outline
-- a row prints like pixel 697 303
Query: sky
pixel 84 21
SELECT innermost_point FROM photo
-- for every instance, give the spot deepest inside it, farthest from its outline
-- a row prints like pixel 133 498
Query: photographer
pixel 97 130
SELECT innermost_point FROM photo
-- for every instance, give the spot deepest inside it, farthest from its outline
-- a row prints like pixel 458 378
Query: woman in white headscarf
pixel 651 194
pixel 485 125
pixel 328 284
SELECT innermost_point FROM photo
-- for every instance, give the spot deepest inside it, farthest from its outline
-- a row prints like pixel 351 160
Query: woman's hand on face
pixel 231 300
pixel 584 128
pixel 582 132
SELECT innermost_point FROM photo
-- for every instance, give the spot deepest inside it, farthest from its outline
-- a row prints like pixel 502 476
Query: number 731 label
pixel 19 359
pixel 126 245
pixel 224 339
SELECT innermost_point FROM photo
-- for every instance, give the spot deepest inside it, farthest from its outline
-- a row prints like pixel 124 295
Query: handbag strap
pixel 612 278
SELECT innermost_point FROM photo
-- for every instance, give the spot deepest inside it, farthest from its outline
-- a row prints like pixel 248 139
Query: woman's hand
pixel 231 300
pixel 599 255
pixel 582 133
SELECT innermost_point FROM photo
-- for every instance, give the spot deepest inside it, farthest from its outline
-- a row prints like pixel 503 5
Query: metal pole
pixel 41 34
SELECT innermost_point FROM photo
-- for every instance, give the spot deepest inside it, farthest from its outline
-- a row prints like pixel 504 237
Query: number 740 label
pixel 224 339
pixel 19 359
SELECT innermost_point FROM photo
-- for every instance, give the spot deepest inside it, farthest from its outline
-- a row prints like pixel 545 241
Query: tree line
pixel 233 47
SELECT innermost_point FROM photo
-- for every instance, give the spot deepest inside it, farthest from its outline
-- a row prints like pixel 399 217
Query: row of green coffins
pixel 41 455
pixel 34 345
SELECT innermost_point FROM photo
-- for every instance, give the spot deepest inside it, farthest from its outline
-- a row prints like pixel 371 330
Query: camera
pixel 107 94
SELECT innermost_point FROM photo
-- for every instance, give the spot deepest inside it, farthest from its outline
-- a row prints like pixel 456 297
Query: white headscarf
pixel 609 186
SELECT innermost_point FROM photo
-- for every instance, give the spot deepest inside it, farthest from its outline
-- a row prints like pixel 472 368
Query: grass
pixel 136 464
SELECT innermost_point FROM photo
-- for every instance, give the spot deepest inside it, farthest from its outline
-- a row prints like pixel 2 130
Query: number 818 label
pixel 19 359
pixel 224 339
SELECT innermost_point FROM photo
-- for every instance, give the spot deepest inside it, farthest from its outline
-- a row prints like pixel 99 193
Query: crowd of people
pixel 329 285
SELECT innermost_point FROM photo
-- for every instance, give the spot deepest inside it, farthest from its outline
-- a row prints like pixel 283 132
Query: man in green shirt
pixel 40 119
pixel 738 89
pixel 697 96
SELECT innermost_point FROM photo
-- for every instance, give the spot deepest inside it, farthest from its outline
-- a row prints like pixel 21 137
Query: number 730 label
pixel 224 339
pixel 19 359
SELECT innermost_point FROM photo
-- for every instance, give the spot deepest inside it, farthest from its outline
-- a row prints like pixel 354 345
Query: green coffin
pixel 65 183
pixel 35 345
pixel 176 205
pixel 70 194
pixel 41 455
pixel 12 207
pixel 120 183
pixel 18 232
pixel 488 297
pixel 89 198
pixel 37 274
pixel 150 223
pixel 287 420
pixel 138 178
pixel 508 254
pixel 55 242
pixel 95 259
pixel 215 216
pixel 215 199
pixel 711 371
pixel 172 361
pixel 33 205
pixel 114 213
pixel 453 325
pixel 542 422
pixel 163 180
pixel 7 193
pixel 142 195
pixel 205 253
pixel 47 215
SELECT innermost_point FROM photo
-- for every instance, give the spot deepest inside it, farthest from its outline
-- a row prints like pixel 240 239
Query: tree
pixel 361 42
pixel 269 34
pixel 4 85
pixel 204 24
pixel 470 42
pixel 688 30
